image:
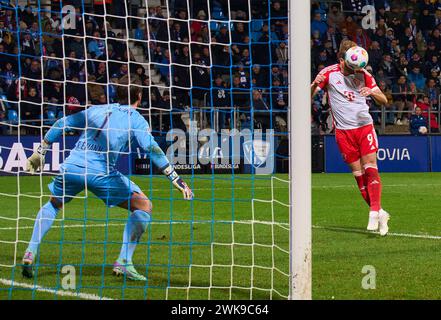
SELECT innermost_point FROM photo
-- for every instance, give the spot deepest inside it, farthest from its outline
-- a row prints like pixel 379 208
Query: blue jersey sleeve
pixel 147 142
pixel 76 120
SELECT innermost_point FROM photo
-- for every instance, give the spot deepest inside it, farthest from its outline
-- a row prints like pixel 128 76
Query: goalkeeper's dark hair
pixel 124 94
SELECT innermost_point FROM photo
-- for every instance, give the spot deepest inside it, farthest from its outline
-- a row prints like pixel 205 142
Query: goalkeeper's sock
pixel 373 186
pixel 43 222
pixel 361 179
pixel 134 229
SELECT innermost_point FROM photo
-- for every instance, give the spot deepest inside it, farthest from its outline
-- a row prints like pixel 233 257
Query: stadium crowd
pixel 405 57
pixel 180 58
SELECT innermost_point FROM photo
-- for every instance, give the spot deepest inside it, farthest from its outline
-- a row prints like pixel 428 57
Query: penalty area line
pixel 63 293
pixel 390 234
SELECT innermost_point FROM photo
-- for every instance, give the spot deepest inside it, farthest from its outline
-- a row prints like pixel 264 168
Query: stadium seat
pixel 50 117
pixel 214 26
pixel 255 36
pixel 139 35
pixel 218 14
pixel 256 25
pixel 12 116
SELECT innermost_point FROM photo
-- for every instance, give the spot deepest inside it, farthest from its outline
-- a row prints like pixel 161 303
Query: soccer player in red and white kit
pixel 354 130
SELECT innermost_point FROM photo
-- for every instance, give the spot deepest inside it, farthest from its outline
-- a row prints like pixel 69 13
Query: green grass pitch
pixel 225 260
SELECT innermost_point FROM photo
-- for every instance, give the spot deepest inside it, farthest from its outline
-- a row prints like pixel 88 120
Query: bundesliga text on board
pixel 224 150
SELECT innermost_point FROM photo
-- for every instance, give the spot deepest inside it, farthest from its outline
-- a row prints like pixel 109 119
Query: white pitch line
pixel 103 225
pixel 393 234
pixel 63 293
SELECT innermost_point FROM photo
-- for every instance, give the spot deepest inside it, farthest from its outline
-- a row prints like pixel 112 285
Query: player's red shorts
pixel 356 143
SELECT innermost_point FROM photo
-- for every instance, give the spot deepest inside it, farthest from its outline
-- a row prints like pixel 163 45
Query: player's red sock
pixel 373 187
pixel 362 185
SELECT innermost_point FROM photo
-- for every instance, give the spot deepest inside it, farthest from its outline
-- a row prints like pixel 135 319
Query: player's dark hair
pixel 123 94
pixel 345 45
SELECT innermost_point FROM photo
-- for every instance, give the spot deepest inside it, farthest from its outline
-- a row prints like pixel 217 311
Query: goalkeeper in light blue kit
pixel 108 131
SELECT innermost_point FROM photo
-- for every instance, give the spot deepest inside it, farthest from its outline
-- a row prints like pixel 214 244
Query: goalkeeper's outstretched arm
pixel 147 142
pixel 36 161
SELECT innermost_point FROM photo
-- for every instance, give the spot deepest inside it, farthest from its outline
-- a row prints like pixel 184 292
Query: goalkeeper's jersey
pixel 107 132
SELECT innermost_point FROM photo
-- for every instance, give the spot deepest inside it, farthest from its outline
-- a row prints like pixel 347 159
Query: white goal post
pixel 300 149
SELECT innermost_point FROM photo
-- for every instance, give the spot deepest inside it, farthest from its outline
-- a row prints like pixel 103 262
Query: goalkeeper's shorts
pixel 113 188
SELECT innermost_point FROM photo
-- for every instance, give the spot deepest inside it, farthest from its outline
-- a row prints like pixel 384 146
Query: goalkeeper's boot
pixel 121 267
pixel 28 265
pixel 383 220
pixel 373 221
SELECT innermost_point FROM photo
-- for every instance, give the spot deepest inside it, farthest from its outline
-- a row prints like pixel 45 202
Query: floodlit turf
pixel 407 262
pixel 191 250
pixel 406 267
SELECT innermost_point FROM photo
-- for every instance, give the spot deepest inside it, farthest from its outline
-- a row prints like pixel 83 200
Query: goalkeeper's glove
pixel 178 182
pixel 36 161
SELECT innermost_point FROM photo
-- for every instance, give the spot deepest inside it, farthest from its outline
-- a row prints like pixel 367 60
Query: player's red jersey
pixel 355 132
pixel 348 106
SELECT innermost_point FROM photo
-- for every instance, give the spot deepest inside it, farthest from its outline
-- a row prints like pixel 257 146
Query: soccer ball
pixel 422 130
pixel 356 58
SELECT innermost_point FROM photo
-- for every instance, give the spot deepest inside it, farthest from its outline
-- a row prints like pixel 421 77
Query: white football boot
pixel 373 221
pixel 383 218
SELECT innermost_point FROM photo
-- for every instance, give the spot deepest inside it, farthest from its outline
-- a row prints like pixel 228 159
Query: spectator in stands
pixel 390 107
pixel 30 107
pixel 388 67
pixel 7 77
pixel 402 99
pixel 432 65
pixel 350 25
pixel 27 16
pixel 432 92
pixel 375 55
pixel 282 53
pixel 333 39
pixel 279 96
pixel 53 93
pixel 424 104
pixel 97 47
pixel 28 46
pixel 278 11
pixel 379 76
pixel 222 36
pixel 418 124
pixel 33 71
pixel 426 23
pixel 76 44
pixel 260 76
pixel 416 77
pixel 261 111
pixel 319 25
pixel 239 33
pixel 221 101
pixel 164 68
pixel 101 73
pixel 335 17
pixel 361 38
pixel 95 91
